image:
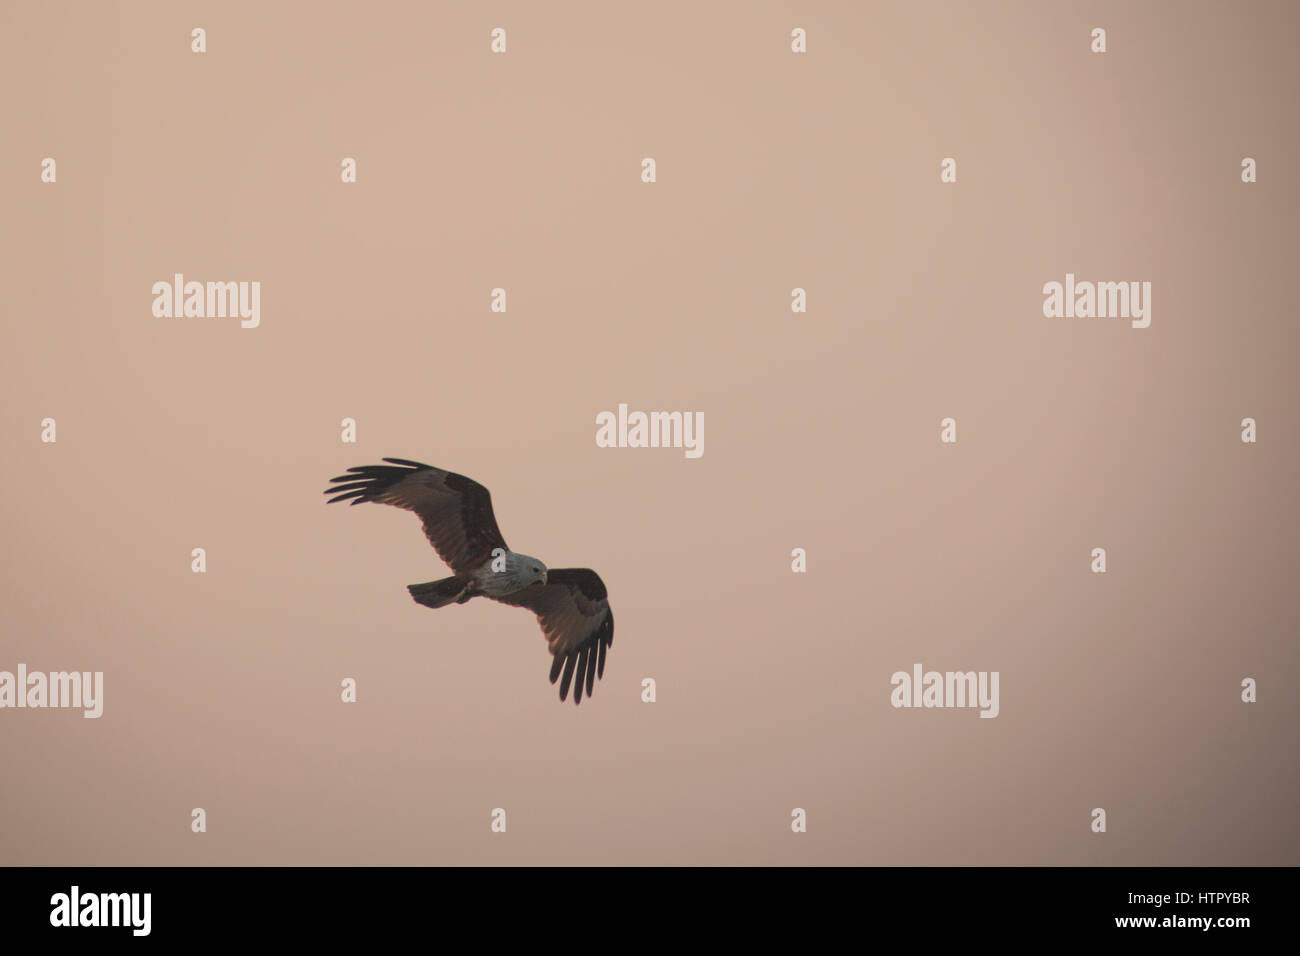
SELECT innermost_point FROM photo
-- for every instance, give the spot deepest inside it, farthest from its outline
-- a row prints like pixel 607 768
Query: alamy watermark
pixel 84 689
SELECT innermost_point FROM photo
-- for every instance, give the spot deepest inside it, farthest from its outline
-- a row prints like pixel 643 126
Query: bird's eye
pixel 537 570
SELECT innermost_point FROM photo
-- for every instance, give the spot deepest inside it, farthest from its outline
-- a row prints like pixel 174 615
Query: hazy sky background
pixel 775 171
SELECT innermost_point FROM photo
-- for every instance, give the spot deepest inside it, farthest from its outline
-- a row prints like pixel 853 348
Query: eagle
pixel 571 604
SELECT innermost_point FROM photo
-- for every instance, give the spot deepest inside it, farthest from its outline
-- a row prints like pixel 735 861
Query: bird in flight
pixel 570 603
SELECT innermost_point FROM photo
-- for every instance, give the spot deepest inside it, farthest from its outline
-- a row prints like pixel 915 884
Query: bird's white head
pixel 527 568
pixel 514 573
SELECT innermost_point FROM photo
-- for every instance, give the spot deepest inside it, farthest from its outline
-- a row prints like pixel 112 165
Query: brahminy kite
pixel 570 603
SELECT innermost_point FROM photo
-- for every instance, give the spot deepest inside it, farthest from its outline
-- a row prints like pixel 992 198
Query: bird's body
pixel 503 575
pixel 570 603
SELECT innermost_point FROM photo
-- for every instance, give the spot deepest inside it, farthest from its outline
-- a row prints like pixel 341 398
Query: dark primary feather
pixel 572 608
pixel 456 511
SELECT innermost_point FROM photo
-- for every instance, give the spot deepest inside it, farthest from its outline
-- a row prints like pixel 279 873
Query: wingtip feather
pixel 568 676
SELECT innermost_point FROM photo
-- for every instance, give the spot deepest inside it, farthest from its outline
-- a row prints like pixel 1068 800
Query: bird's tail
pixel 440 593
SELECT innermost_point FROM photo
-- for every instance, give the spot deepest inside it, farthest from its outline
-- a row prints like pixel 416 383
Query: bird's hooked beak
pixel 543 578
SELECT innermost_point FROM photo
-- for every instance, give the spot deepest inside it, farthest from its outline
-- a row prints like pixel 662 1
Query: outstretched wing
pixel 573 609
pixel 456 511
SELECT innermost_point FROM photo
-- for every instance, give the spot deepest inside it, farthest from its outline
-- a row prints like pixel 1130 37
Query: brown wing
pixel 573 609
pixel 456 511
